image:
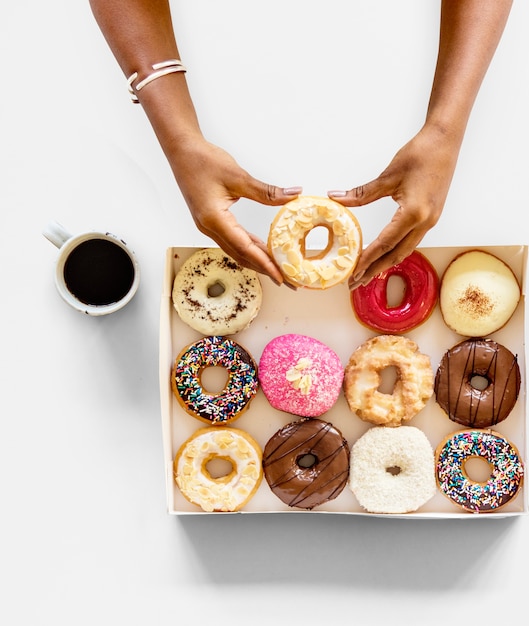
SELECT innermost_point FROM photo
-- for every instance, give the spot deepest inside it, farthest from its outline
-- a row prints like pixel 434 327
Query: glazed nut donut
pixel 214 295
pixel 287 237
pixel 392 470
pixel 477 383
pixel 240 389
pixel 300 375
pixel 479 294
pixel 306 463
pixel 421 286
pixel 506 470
pixel 229 492
pixel 412 389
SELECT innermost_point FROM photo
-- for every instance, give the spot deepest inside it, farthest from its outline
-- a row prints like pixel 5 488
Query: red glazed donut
pixel 370 302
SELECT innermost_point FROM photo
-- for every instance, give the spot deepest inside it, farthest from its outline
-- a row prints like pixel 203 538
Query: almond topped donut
pixel 287 238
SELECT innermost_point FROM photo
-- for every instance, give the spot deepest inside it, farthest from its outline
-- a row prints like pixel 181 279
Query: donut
pixel 392 470
pixel 240 388
pixel 214 295
pixel 306 463
pixel 363 377
pixel 287 239
pixel 230 491
pixel 300 375
pixel 477 383
pixel 506 470
pixel 478 294
pixel 421 287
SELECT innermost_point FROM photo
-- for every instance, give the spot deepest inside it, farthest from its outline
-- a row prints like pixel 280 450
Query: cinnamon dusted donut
pixel 412 389
pixel 306 463
pixel 392 470
pixel 421 286
pixel 479 294
pixel 300 375
pixel 240 389
pixel 287 237
pixel 506 470
pixel 214 295
pixel 229 491
pixel 477 383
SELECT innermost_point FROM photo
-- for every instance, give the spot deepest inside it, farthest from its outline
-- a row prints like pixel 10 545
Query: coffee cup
pixel 96 272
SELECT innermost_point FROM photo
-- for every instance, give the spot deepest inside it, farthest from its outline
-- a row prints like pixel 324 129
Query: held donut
pixel 287 238
pixel 300 375
pixel 392 470
pixel 306 463
pixel 228 492
pixel 214 295
pixel 506 470
pixel 240 389
pixel 479 294
pixel 421 286
pixel 412 389
pixel 477 383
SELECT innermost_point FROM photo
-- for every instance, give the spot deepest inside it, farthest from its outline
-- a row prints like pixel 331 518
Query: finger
pixel 363 194
pixel 270 195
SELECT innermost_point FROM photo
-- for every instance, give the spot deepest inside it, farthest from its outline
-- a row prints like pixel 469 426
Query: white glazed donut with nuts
pixel 287 238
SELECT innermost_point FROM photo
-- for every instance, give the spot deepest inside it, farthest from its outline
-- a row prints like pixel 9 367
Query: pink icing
pixel 291 361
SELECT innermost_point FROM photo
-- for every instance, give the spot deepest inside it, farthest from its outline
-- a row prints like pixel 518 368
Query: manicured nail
pixel 292 191
pixel 358 276
pixel 336 193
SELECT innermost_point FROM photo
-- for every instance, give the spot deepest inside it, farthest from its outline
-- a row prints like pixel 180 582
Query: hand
pixel 211 182
pixel 418 179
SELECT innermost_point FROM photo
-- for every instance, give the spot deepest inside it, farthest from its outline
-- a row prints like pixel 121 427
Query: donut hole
pixel 388 379
pixel 306 461
pixel 317 242
pixel 477 469
pixel 216 289
pixel 219 468
pixel 213 379
pixel 394 470
pixel 395 291
pixel 479 382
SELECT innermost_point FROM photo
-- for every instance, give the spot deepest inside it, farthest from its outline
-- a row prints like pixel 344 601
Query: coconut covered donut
pixel 477 383
pixel 412 389
pixel 478 294
pixel 306 463
pixel 227 492
pixel 392 470
pixel 287 237
pixel 300 375
pixel 506 470
pixel 214 295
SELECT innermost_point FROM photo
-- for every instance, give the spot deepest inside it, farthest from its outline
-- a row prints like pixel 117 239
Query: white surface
pixel 310 93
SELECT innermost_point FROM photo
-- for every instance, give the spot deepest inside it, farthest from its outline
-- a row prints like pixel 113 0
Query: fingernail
pixel 292 191
pixel 358 276
pixel 337 193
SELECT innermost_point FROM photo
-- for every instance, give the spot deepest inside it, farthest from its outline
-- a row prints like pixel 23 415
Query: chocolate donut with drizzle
pixel 477 383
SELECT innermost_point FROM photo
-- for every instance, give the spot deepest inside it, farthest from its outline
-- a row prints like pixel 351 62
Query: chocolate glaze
pixel 465 403
pixel 306 487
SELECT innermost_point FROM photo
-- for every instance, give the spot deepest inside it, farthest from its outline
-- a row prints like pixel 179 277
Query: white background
pixel 301 93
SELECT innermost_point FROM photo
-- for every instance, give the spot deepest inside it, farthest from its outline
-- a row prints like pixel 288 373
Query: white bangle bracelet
pixel 161 69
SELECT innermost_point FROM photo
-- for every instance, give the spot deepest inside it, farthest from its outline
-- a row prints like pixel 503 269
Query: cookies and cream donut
pixel 392 470
pixel 306 463
pixel 287 238
pixel 477 383
pixel 214 295
pixel 506 470
pixel 300 375
pixel 478 294
pixel 230 491
pixel 412 389
pixel 240 388
pixel 421 288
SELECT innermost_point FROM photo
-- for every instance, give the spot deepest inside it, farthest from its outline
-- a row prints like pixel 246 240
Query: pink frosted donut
pixel 300 375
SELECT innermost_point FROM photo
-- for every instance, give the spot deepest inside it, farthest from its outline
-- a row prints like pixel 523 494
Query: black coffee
pixel 98 272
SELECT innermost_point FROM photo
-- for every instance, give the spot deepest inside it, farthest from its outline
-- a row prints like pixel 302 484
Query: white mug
pixel 96 272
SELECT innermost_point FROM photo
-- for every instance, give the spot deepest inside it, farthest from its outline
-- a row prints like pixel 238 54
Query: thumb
pixel 270 194
pixel 363 194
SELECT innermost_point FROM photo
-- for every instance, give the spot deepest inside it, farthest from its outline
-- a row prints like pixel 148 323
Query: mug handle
pixel 56 233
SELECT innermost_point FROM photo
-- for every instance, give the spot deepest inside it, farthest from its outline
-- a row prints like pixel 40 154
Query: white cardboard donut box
pixel 328 316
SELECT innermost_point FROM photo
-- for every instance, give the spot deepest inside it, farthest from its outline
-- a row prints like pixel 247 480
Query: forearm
pixel 470 31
